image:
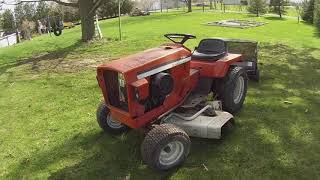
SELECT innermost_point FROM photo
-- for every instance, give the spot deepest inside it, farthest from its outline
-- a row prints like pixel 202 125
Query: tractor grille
pixel 116 89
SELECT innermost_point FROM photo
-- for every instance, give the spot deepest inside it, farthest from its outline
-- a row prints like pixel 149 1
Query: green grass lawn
pixel 49 94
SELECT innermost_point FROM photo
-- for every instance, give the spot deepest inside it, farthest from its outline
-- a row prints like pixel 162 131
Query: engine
pixel 161 85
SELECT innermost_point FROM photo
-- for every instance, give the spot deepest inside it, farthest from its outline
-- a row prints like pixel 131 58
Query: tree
pixel 189 4
pixel 279 7
pixel 308 11
pixel 67 13
pixel 257 7
pixel 27 27
pixel 8 20
pixel 86 10
pixel 30 11
pixel 213 2
pixel 316 15
pixel 110 8
pixel 299 8
pixel 19 14
pixel 42 10
pixel 177 4
pixel 126 6
pixel 87 19
pixel 25 11
pixel 1 19
pixel 168 4
pixel 147 5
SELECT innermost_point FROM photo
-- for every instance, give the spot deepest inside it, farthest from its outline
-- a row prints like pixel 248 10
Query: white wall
pixel 8 40
pixel 232 2
pixel 267 2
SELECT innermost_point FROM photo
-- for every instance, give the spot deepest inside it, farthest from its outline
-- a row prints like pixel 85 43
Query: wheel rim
pixel 171 153
pixel 238 91
pixel 113 123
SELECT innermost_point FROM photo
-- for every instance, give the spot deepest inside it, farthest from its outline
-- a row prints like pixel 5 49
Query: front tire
pixel 232 89
pixel 107 123
pixel 165 146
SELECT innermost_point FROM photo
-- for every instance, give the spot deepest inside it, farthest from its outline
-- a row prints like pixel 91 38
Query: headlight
pixel 122 89
pixel 121 80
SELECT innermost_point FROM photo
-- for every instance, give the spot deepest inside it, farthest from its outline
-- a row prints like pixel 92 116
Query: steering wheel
pixel 184 37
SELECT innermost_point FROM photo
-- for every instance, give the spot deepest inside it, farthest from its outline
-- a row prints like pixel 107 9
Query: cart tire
pixel 106 122
pixel 165 146
pixel 232 89
pixel 57 32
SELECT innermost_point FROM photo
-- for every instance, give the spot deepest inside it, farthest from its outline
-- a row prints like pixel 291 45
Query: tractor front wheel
pixel 107 123
pixel 232 89
pixel 165 146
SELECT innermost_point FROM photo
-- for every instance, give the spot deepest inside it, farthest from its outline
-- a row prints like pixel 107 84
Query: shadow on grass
pixel 273 18
pixel 271 139
pixel 251 15
pixel 276 132
pixel 104 157
pixel 60 54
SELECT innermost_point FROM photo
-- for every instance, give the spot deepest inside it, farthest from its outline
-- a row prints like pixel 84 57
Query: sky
pixel 5 6
pixel 8 7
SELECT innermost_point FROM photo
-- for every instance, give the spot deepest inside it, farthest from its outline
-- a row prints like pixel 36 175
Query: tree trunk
pixel 87 21
pixel 202 6
pixel 316 13
pixel 279 10
pixel 189 5
pixel 211 7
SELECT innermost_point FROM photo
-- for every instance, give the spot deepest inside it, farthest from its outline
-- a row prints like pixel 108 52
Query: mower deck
pixel 199 118
pixel 201 126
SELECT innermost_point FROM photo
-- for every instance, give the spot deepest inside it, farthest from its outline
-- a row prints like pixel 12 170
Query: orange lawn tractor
pixel 171 93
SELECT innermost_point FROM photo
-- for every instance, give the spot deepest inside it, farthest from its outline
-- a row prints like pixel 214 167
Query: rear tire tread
pixel 225 88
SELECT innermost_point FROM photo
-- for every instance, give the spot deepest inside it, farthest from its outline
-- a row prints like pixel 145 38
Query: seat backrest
pixel 212 46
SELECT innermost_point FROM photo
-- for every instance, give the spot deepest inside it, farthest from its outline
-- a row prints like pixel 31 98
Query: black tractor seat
pixel 210 50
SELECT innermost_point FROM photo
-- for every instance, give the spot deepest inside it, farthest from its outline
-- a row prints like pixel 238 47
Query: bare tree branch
pixel 28 1
pixel 95 7
pixel 65 3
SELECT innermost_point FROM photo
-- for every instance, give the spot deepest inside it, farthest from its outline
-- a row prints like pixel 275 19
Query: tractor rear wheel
pixel 107 123
pixel 232 89
pixel 165 146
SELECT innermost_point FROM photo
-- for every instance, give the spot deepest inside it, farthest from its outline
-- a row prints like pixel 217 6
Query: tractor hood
pixel 148 59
